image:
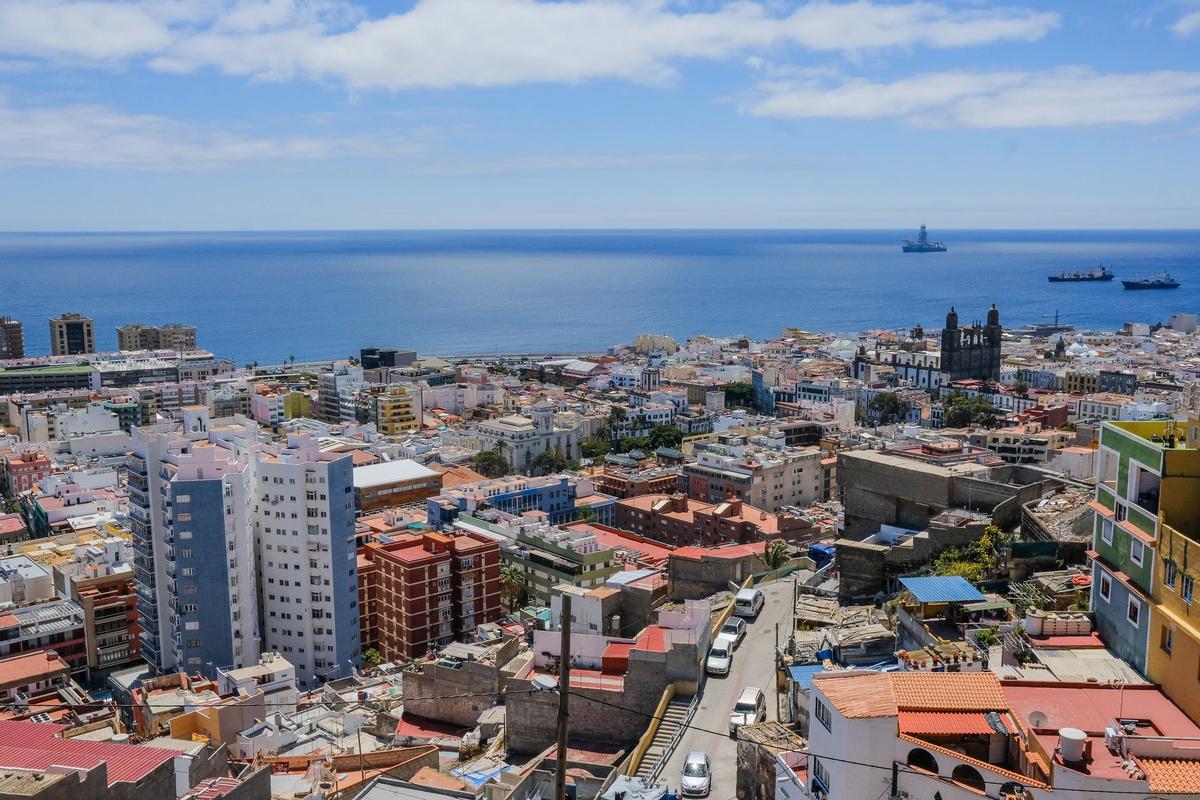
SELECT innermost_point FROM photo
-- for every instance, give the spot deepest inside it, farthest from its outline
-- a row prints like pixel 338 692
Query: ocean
pixel 313 295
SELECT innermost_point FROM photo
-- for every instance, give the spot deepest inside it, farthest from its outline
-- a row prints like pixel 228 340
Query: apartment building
pixel 1147 514
pixel 100 580
pixel 192 503
pixel 71 334
pixel 422 591
pixel 553 495
pixel 308 572
pixel 171 336
pixel 23 470
pixel 12 338
pixel 549 555
pixel 764 473
pixel 267 530
pixel 335 393
pixel 51 625
pixel 394 409
pixel 678 520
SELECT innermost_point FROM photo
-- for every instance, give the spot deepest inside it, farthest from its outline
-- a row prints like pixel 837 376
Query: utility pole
pixel 775 678
pixel 564 691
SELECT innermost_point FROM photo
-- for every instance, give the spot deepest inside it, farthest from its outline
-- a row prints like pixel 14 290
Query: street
pixel 753 665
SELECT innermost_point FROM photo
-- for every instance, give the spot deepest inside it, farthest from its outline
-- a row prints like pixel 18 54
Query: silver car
pixel 697 776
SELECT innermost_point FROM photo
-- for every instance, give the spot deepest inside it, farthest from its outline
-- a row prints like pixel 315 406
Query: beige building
pixel 765 476
pixel 71 334
pixel 171 336
pixel 396 409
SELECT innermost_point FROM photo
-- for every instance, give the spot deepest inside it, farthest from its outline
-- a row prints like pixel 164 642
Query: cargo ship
pixel 1160 281
pixel 1098 274
pixel 922 244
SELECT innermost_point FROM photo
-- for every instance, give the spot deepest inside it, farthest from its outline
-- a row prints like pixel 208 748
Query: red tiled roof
pixel 948 691
pixel 34 745
pixel 858 696
pixel 652 638
pixel 725 551
pixel 943 722
pixel 1172 774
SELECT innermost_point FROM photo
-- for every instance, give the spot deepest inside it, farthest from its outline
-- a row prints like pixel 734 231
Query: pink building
pixel 23 470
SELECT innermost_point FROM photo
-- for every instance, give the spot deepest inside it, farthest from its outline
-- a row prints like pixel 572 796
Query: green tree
pixel 594 448
pixel 978 561
pixel 552 460
pixel 665 436
pixel 371 658
pixel 777 554
pixel 739 393
pixel 585 513
pixel 889 408
pixel 491 463
pixel 960 411
pixel 636 443
pixel 512 584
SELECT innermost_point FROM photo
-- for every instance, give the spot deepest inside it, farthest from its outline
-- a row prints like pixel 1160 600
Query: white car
pixel 734 629
pixel 720 657
pixel 696 779
pixel 750 709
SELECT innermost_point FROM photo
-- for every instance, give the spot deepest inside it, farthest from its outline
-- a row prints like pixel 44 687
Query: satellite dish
pixel 1037 719
pixel 545 683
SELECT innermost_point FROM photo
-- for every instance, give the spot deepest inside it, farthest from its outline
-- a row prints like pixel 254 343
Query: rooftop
pixel 387 472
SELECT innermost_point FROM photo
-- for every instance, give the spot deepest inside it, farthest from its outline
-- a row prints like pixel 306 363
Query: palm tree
pixel 512 584
pixel 777 554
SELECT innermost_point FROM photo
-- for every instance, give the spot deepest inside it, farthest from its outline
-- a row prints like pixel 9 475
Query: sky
pixel 326 114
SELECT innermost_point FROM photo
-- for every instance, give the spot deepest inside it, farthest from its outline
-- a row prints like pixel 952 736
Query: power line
pixel 836 759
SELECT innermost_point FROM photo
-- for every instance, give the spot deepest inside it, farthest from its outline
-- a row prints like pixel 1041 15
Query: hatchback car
pixel 697 776
pixel 720 657
pixel 734 629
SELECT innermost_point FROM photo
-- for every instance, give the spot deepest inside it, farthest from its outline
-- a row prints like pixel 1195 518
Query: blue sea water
pixel 265 296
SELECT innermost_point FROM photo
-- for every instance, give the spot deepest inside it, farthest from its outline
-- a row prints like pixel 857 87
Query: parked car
pixel 720 657
pixel 697 776
pixel 734 629
pixel 750 709
pixel 748 602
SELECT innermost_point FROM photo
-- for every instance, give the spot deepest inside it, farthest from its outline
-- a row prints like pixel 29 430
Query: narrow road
pixel 753 665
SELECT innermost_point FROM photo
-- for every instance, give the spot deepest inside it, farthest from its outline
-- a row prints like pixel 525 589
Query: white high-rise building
pixel 241 546
pixel 308 558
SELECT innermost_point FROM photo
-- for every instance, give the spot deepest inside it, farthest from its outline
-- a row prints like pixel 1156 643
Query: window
pixel 1164 639
pixel 1105 588
pixel 1189 585
pixel 1137 551
pixel 821 773
pixel 823 715
pixel 1121 511
pixel 189 608
pixel 1106 532
pixel 1134 612
pixel 1170 573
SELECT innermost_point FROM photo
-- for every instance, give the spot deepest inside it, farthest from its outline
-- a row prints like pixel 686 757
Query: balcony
pixel 136 465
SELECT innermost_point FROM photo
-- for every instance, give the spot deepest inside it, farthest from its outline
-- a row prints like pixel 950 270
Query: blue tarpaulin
pixel 942 589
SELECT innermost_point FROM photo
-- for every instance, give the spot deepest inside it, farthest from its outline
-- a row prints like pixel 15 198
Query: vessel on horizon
pixel 1101 273
pixel 1162 280
pixel 922 244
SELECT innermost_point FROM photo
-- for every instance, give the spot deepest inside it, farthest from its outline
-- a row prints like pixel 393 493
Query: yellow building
pixel 1173 654
pixel 396 409
pixel 296 404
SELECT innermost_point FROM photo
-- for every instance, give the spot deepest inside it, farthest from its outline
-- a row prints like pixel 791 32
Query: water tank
pixel 1070 744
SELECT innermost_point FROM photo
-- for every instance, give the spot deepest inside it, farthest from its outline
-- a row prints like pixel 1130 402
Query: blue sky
pixel 278 114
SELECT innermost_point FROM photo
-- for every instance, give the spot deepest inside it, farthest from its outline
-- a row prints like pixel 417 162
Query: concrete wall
pixel 483 682
pixel 695 579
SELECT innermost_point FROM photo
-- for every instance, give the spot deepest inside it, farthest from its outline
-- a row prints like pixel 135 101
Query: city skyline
pixel 515 113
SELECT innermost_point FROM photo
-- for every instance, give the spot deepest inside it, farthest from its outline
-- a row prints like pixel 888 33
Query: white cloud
pixel 100 137
pixel 1068 96
pixel 444 43
pixel 1188 24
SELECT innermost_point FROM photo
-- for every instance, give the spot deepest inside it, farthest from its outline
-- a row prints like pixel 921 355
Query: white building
pixel 962 736
pixel 307 558
pixel 522 439
pixel 457 398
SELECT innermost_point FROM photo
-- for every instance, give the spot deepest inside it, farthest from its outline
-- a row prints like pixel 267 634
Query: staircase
pixel 670 728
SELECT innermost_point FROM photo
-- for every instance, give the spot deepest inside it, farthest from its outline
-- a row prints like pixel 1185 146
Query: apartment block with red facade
pixel 23 470
pixel 421 591
pixel 681 521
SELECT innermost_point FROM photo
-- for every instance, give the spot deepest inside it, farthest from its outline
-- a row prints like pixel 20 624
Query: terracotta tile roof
pixel 983 766
pixel 943 722
pixel 858 695
pixel 1172 774
pixel 948 691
